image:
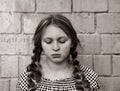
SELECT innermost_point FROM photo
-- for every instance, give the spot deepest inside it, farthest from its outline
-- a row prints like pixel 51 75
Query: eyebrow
pixel 46 38
pixel 62 37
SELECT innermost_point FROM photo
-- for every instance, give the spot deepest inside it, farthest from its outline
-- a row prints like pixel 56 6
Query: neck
pixel 54 71
pixel 57 66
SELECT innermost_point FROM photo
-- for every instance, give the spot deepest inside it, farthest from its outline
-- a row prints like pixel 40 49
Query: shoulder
pixel 91 76
pixel 22 84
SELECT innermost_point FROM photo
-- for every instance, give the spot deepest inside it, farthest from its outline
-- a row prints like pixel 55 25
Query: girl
pixel 61 71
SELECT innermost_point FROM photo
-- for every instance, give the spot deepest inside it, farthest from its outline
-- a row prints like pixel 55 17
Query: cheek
pixel 66 48
pixel 65 52
pixel 46 50
pixel 45 47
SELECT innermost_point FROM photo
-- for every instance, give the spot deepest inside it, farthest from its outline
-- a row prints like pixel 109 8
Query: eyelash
pixel 50 41
pixel 62 41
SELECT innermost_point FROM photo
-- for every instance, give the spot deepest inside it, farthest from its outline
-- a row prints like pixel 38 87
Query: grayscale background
pixel 97 23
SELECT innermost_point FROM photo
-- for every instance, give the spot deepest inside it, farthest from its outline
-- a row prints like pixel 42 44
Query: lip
pixel 56 55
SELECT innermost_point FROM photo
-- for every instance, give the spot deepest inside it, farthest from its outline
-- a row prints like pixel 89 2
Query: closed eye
pixel 62 40
pixel 48 40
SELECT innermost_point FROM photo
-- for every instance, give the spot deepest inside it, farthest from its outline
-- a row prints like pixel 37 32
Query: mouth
pixel 56 55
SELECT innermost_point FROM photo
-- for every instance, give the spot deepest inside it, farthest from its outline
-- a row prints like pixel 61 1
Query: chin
pixel 57 60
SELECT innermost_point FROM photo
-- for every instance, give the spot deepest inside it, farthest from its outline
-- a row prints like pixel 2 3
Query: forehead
pixel 53 31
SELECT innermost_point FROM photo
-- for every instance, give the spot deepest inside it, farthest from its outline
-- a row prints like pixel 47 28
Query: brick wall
pixel 97 23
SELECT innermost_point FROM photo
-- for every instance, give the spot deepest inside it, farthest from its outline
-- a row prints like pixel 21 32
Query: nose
pixel 55 46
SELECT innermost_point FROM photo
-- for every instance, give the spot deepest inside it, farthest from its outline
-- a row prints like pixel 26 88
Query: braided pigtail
pixel 33 69
pixel 81 82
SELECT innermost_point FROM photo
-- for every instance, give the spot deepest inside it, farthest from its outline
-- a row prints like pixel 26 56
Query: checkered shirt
pixel 67 84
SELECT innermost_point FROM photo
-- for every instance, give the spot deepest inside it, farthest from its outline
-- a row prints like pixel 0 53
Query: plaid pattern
pixel 91 76
pixel 58 85
pixel 67 84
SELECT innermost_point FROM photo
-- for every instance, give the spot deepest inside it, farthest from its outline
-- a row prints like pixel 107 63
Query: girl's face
pixel 56 44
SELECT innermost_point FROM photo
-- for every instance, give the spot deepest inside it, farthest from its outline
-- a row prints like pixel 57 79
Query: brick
pixel 110 83
pixel 9 66
pixel 108 23
pixel 116 83
pixel 83 23
pixel 116 65
pixel 17 5
pixel 24 61
pixel 90 44
pixel 4 85
pixel 102 64
pixel 89 5
pixel 86 60
pixel 114 5
pixel 106 83
pixel 13 84
pixel 54 6
pixel 10 23
pixel 31 45
pixel 14 44
pixel 31 21
pixel 110 44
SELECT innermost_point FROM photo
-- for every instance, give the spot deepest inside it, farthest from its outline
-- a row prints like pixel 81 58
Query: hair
pixel 34 68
